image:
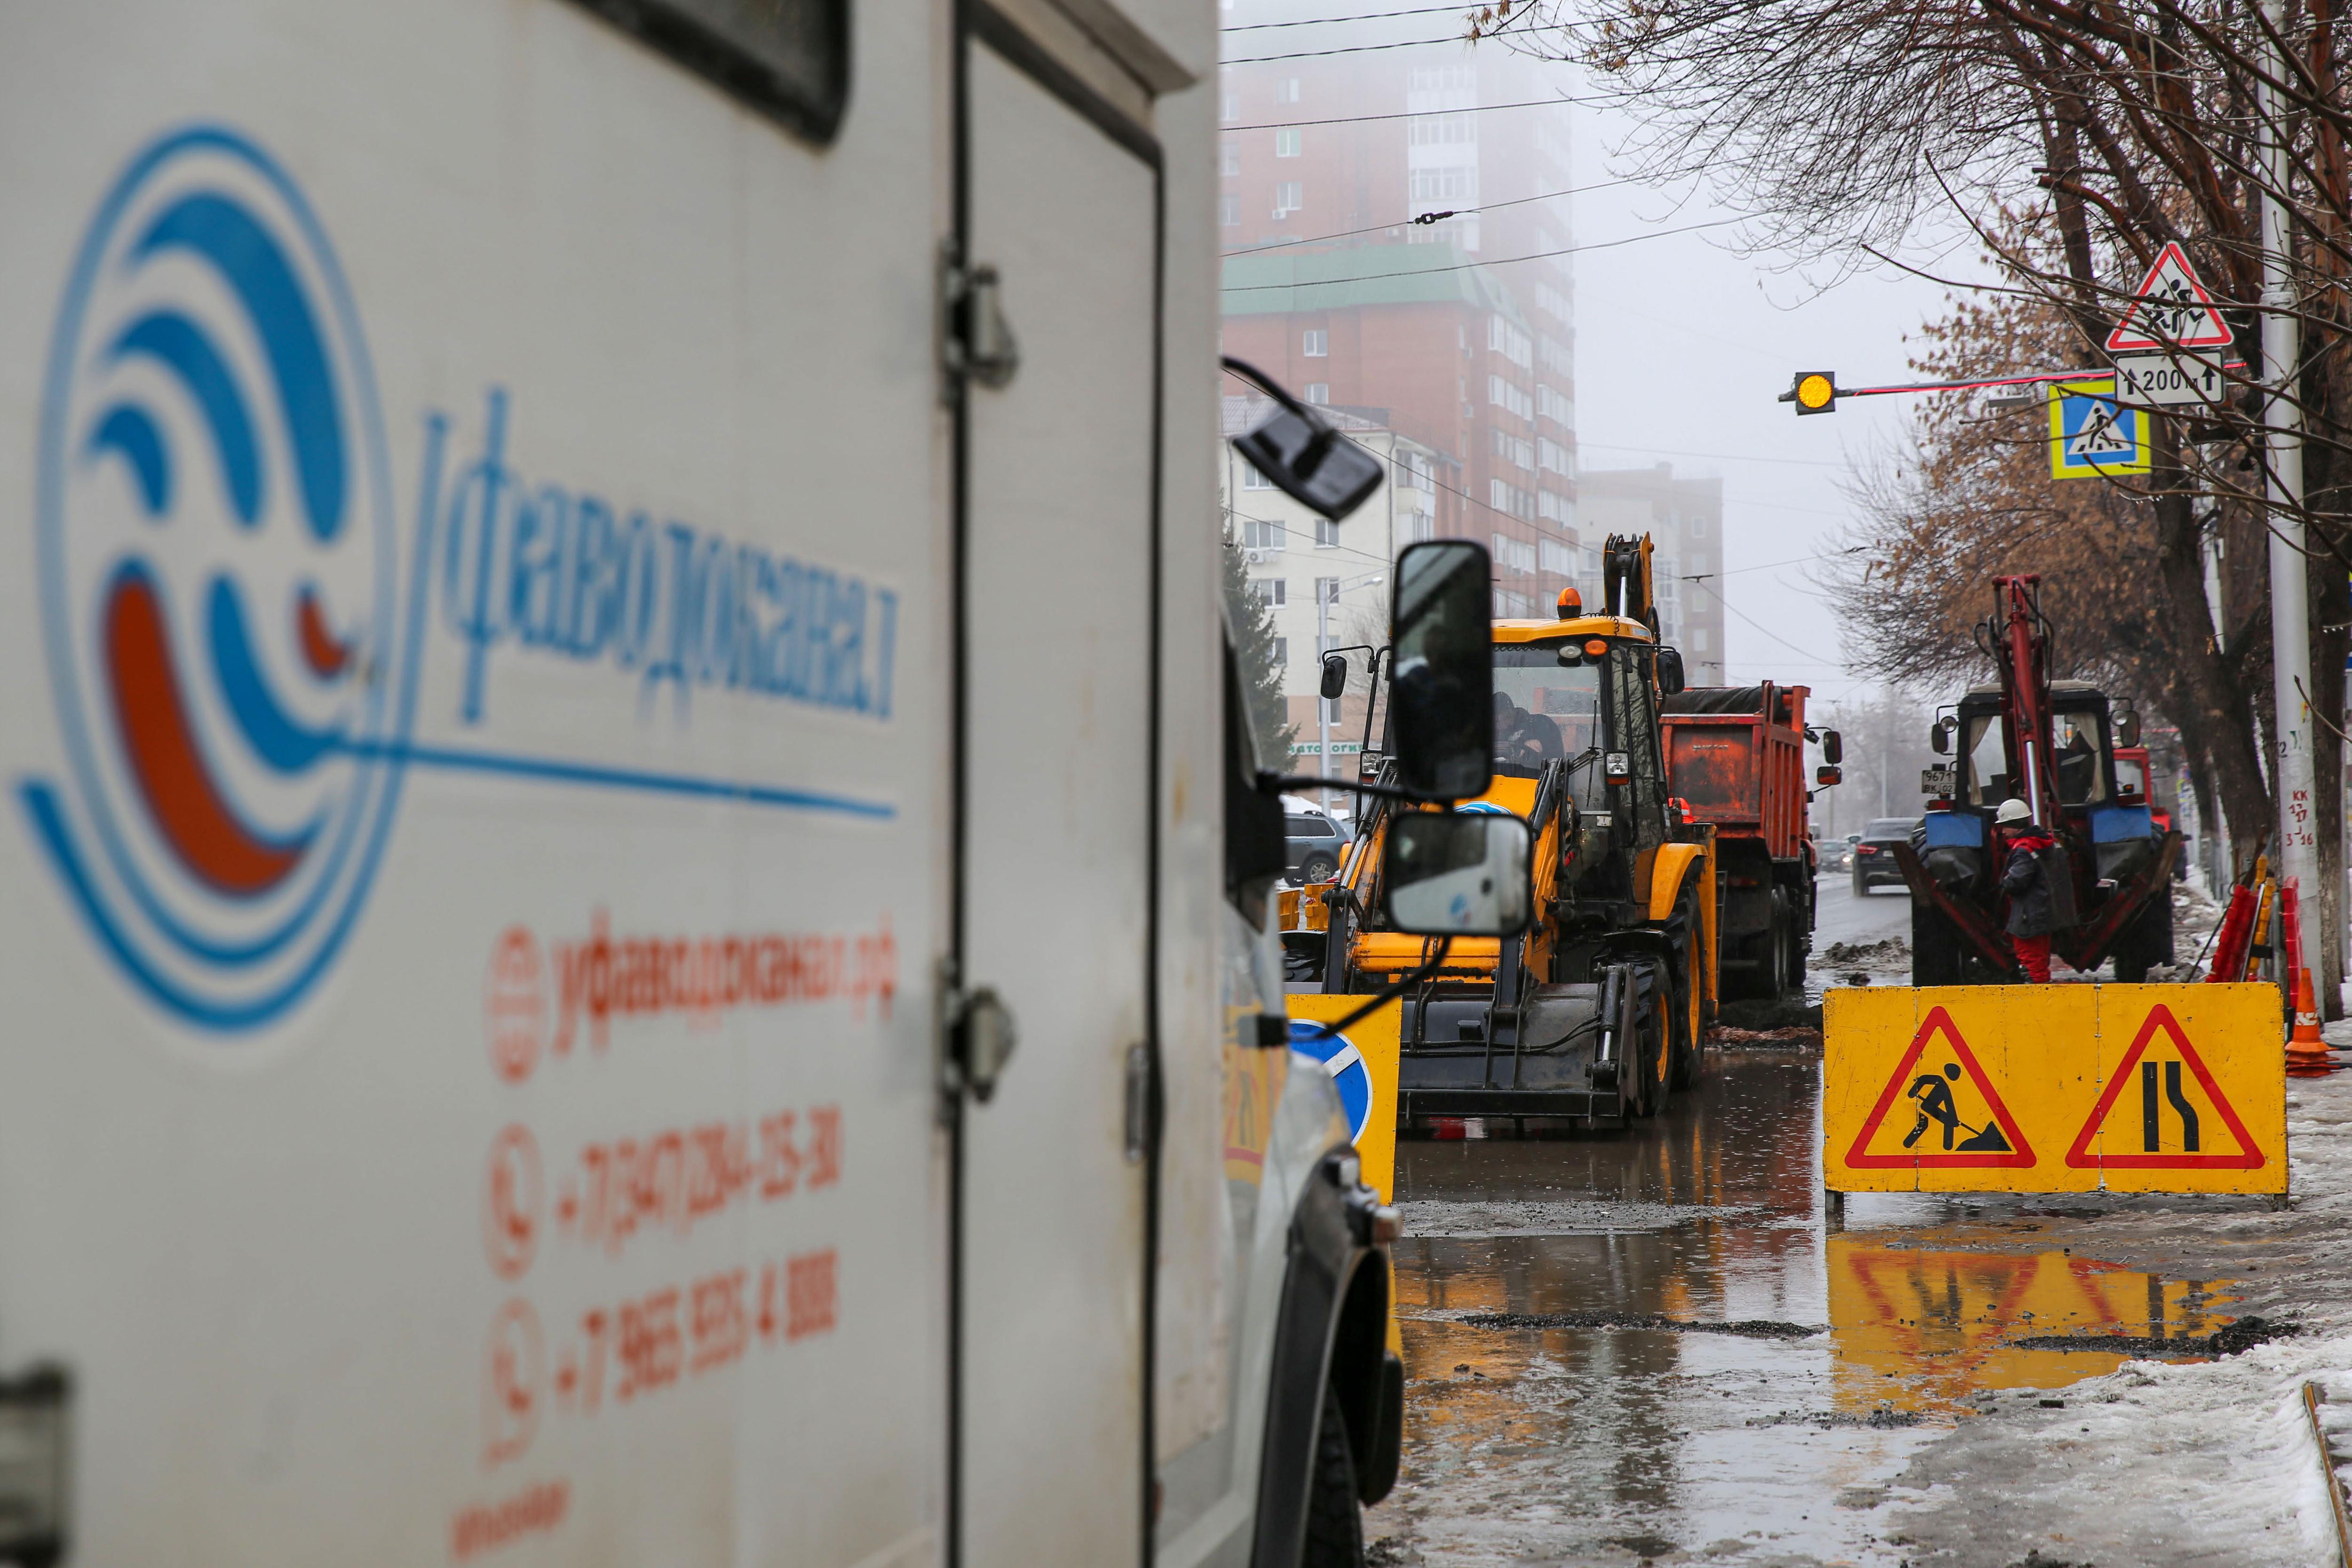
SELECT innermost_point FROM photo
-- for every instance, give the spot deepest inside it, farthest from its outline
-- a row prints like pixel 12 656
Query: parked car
pixel 1315 839
pixel 1874 852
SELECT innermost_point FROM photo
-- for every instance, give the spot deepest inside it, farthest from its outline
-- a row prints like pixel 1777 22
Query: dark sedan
pixel 1873 857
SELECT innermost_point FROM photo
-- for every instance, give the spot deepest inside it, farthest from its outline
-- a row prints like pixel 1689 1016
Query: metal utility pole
pixel 2290 594
pixel 1323 597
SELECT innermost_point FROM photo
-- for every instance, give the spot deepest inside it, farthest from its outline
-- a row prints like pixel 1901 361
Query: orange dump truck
pixel 1735 758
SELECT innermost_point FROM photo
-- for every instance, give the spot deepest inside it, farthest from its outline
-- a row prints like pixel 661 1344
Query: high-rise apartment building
pixel 1683 518
pixel 1345 276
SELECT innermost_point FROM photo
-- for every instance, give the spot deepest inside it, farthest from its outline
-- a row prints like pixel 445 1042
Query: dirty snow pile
pixel 2194 1463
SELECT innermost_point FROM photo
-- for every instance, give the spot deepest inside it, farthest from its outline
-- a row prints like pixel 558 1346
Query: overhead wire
pixel 1498 261
pixel 1360 17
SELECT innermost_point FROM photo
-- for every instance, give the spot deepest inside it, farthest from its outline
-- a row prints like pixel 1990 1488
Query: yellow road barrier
pixel 2053 1088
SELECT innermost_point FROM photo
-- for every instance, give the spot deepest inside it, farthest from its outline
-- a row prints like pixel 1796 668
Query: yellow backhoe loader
pixel 1598 1010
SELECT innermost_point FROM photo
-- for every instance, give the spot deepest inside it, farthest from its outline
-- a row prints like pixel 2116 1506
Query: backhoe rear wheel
pixel 1686 1053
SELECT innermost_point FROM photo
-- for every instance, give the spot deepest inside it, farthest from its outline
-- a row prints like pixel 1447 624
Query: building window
pixel 1252 480
pixel 1554 404
pixel 1557 559
pixel 1326 533
pixel 1331 708
pixel 1509 606
pixel 1282 652
pixel 1229 158
pixel 1228 212
pixel 1317 343
pixel 1286 141
pixel 1559 508
pixel 1551 299
pixel 1286 91
pixel 1509 395
pixel 1258 533
pixel 1271 591
pixel 1510 342
pixel 1287 199
pixel 1317 393
pixel 1229 107
pixel 1435 188
pixel 1327 590
pixel 1698 639
pixel 1440 129
pixel 1697 528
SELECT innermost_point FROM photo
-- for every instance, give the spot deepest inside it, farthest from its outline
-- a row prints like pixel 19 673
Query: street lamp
pixel 1333 588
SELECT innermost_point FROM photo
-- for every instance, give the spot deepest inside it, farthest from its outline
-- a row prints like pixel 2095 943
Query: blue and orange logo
pixel 218 585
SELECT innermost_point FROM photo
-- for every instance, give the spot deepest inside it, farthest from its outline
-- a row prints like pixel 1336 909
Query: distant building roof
pixel 1282 278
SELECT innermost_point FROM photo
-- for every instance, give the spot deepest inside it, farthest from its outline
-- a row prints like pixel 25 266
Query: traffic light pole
pixel 2295 775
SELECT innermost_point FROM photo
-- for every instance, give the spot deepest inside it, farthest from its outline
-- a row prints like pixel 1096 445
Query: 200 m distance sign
pixel 2054 1089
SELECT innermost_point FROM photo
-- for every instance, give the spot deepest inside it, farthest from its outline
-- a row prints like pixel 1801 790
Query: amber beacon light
pixel 1813 392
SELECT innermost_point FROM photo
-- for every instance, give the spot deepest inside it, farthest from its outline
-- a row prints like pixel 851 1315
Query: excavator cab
pixel 2049 742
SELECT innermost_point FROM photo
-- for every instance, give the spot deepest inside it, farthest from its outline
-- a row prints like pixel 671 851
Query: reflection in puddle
pixel 1922 1330
pixel 1559 1433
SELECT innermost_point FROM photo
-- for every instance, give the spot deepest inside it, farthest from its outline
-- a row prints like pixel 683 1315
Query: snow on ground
pixel 2174 1462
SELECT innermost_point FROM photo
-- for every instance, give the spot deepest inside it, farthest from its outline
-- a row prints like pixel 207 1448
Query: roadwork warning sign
pixel 2054 1089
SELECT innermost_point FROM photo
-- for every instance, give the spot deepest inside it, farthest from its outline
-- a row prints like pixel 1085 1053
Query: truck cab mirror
pixel 1670 670
pixel 2127 727
pixel 1303 455
pixel 1824 777
pixel 1334 676
pixel 1458 874
pixel 1832 747
pixel 1939 738
pixel 1442 685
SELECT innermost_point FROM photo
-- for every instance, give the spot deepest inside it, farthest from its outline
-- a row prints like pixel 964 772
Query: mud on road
pixel 1654 1347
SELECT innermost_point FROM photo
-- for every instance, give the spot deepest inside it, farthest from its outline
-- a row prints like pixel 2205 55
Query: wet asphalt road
pixel 1574 1397
pixel 1840 916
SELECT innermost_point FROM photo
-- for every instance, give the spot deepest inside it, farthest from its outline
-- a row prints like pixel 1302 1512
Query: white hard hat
pixel 2013 810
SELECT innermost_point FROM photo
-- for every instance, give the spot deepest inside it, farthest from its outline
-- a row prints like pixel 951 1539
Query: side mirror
pixel 1335 675
pixel 2127 727
pixel 1442 685
pixel 1305 458
pixel 1940 736
pixel 1825 777
pixel 1458 874
pixel 1832 747
pixel 1670 670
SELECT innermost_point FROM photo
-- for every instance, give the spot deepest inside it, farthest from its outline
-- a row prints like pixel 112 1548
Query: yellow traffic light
pixel 1815 392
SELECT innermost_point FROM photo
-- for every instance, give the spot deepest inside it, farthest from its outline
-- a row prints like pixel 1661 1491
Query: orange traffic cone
pixel 2306 1053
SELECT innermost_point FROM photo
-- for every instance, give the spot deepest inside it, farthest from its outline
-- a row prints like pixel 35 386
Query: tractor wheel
pixel 1936 956
pixel 1686 1049
pixel 1654 1058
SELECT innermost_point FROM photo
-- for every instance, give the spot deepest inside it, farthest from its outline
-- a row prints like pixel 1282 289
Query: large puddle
pixel 1640 1346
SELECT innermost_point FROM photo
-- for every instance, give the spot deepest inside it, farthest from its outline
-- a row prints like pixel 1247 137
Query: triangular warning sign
pixel 1941 1138
pixel 2171 1135
pixel 2172 310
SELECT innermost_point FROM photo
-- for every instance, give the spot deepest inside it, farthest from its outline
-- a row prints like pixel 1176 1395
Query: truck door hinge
pixel 976 343
pixel 978 1036
pixel 1140 1102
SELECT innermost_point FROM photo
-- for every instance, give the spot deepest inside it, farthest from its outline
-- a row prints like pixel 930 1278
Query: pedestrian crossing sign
pixel 2091 434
